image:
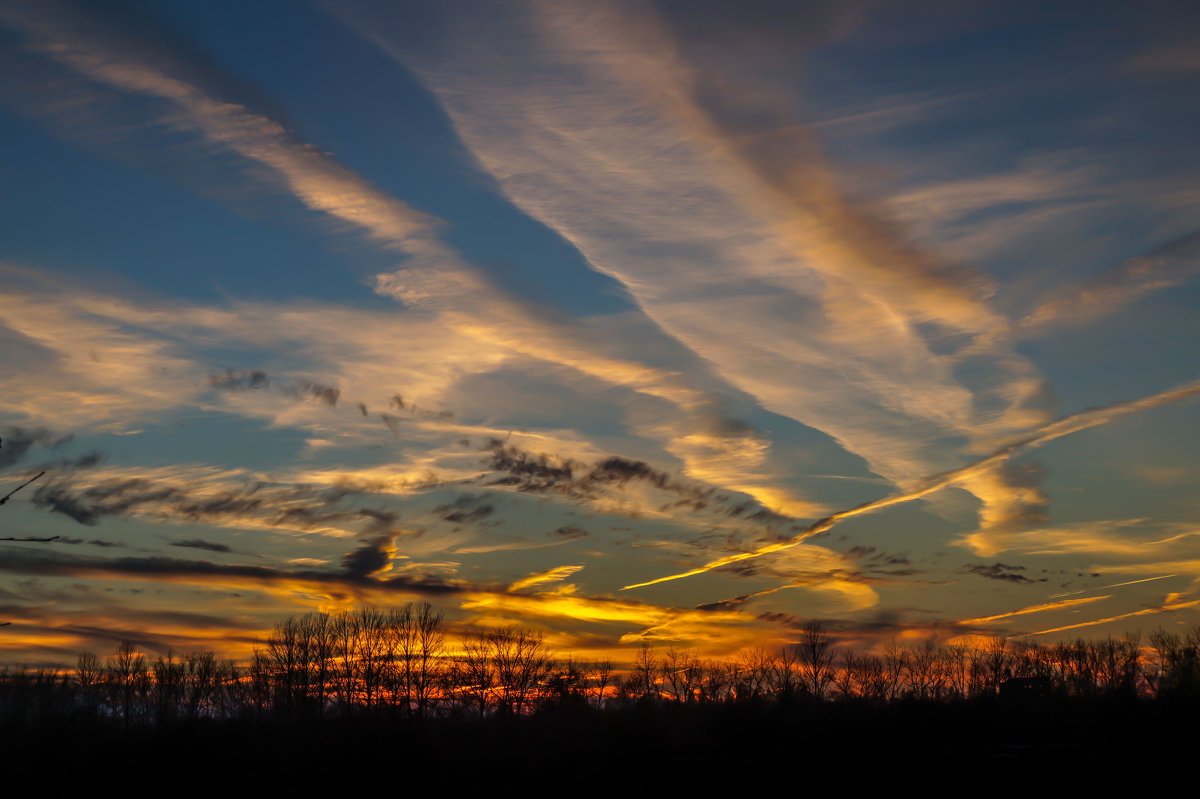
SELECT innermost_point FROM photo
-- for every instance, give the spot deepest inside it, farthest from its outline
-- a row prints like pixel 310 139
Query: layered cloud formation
pixel 840 318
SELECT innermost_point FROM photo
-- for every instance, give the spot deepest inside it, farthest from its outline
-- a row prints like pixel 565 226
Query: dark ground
pixel 977 747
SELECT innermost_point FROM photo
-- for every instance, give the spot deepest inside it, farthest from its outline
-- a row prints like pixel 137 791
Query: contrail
pixel 1114 585
pixel 1066 603
pixel 1143 612
pixel 1093 417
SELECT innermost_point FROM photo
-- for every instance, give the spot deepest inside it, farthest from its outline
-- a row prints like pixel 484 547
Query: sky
pixel 669 322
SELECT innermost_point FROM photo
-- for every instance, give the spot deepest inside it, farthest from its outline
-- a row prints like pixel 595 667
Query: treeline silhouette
pixel 399 662
pixel 324 689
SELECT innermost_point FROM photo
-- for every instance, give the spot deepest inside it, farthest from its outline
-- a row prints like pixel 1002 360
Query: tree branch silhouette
pixel 6 497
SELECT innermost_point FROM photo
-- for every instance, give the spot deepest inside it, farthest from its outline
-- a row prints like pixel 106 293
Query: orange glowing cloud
pixel 552 576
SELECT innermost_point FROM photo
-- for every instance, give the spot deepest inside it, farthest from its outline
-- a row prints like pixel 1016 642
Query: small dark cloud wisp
pixel 1000 571
pixel 197 543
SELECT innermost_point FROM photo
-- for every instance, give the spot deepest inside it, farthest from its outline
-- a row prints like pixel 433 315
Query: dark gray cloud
pixel 528 471
pixel 257 380
pixel 63 539
pixel 875 561
pixel 15 443
pixel 294 506
pixel 542 473
pixel 61 467
pixel 733 603
pixel 112 498
pixel 347 582
pixel 322 393
pixel 1000 571
pixel 370 559
pixel 197 543
pixel 568 532
pixel 250 379
pixel 466 509
pixel 728 427
pixel 397 402
pixel 379 521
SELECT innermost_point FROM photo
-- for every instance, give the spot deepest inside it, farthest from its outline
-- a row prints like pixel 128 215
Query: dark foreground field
pixel 984 746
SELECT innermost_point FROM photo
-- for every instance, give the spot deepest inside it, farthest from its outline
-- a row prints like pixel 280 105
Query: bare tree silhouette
pixel 523 665
pixel 644 679
pixel 423 647
pixel 8 496
pixel 127 674
pixel 816 658
pixel 473 677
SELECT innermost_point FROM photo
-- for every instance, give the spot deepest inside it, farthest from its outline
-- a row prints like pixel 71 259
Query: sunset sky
pixel 680 322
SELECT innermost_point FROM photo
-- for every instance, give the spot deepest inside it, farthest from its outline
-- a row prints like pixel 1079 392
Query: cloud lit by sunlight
pixel 512 307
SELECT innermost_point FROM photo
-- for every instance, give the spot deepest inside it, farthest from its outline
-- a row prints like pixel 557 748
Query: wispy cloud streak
pixel 1114 585
pixel 554 575
pixel 433 276
pixel 1063 427
pixel 1166 607
pixel 1043 608
pixel 74 39
pixel 700 221
pixel 1169 265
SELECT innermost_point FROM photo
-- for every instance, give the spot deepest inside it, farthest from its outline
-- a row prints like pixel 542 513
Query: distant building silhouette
pixel 1025 688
